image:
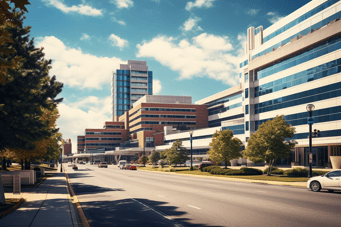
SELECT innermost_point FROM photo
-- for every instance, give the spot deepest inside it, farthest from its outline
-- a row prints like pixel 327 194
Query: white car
pixel 330 181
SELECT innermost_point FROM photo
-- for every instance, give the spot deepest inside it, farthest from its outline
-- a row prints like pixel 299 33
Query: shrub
pixel 250 171
pixel 233 172
pixel 218 171
pixel 274 170
pixel 319 173
pixel 297 172
pixel 208 168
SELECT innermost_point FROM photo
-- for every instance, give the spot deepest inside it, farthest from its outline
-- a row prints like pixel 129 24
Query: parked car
pixel 330 181
pixel 132 167
pixel 207 163
pixel 195 163
pixel 74 167
pixel 102 165
pixel 81 162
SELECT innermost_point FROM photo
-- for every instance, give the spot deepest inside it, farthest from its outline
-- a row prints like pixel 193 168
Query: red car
pixel 132 168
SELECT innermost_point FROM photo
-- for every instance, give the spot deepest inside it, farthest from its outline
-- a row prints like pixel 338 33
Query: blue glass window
pixel 217 122
pixel 246 126
pixel 224 100
pixel 246 109
pixel 246 77
pixel 246 93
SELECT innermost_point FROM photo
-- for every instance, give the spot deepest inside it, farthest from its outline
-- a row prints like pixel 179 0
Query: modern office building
pixel 131 82
pixel 150 114
pixel 293 63
pixel 101 140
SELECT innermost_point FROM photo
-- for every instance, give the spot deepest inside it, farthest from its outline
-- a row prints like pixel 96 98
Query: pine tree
pixel 28 90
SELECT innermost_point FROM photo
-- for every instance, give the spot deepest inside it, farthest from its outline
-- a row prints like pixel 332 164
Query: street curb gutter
pixel 75 200
pixel 10 210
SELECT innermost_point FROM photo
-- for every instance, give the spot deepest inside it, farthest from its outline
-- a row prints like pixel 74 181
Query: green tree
pixel 224 147
pixel 154 157
pixel 270 142
pixel 176 153
pixel 143 160
pixel 7 17
pixel 27 91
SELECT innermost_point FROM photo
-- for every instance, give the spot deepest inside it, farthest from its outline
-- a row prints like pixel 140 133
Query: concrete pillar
pixel 16 184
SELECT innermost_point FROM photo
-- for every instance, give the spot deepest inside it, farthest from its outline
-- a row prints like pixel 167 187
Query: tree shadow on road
pixel 84 189
pixel 134 212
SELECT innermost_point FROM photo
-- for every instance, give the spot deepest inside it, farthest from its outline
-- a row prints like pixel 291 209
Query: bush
pixel 209 168
pixel 274 170
pixel 218 171
pixel 297 172
pixel 250 171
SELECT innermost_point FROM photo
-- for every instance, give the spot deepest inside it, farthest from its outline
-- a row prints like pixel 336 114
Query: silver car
pixel 330 181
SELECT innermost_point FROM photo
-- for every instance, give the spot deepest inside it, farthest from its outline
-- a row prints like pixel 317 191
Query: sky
pixel 193 47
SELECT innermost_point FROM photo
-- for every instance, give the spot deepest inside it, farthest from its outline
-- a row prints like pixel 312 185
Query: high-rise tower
pixel 131 82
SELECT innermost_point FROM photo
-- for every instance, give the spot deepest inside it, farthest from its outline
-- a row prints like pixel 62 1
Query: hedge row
pixel 216 170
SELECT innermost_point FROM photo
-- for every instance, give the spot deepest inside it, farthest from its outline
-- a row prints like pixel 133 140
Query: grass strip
pixel 10 206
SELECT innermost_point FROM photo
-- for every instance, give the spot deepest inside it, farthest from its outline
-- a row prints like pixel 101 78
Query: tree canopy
pixel 143 160
pixel 225 147
pixel 154 157
pixel 177 153
pixel 28 90
pixel 270 142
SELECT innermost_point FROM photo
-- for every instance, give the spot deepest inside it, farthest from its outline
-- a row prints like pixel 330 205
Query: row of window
pixel 138 84
pixel 163 123
pixel 123 95
pixel 300 19
pixel 313 95
pixel 322 115
pixel 163 109
pixel 139 78
pixel 103 138
pixel 138 90
pixel 162 116
pixel 312 28
pixel 123 107
pixel 317 50
pixel 236 129
pixel 329 133
pixel 216 123
pixel 137 96
pixel 114 126
pixel 120 71
pixel 122 77
pixel 123 101
pixel 139 72
pixel 141 129
pixel 103 133
pixel 122 83
pixel 222 109
pixel 103 144
pixel 122 89
pixel 305 76
pixel 242 64
pixel 225 99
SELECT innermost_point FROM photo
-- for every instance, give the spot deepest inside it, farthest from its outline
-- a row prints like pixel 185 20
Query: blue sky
pixel 193 47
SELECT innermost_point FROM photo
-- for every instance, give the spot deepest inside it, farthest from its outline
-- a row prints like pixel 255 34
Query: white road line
pixel 261 191
pixel 160 195
pixel 163 215
pixel 194 207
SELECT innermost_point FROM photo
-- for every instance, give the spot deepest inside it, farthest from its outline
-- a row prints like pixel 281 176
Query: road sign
pixel 310 120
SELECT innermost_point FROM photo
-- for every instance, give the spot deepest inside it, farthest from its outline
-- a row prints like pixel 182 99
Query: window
pixel 246 77
pixel 246 126
pixel 246 93
pixel 246 109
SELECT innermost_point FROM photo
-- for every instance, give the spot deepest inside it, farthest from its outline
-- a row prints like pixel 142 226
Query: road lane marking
pixel 160 195
pixel 261 191
pixel 194 207
pixel 163 215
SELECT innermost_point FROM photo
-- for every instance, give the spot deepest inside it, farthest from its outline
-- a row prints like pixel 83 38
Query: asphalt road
pixel 114 197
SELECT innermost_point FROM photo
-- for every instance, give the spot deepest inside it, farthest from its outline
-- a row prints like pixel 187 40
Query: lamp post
pixel 191 133
pixel 310 109
pixel 61 160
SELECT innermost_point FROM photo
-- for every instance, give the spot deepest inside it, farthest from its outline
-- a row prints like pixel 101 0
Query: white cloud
pixel 191 24
pixel 120 4
pixel 117 41
pixel 80 9
pixel 199 4
pixel 89 112
pixel 75 68
pixel 156 86
pixel 205 55
pixel 273 17
pixel 252 12
pixel 121 22
pixel 85 37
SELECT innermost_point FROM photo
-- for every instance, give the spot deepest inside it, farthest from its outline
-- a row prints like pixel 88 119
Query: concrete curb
pixel 75 201
pixel 236 179
pixel 10 210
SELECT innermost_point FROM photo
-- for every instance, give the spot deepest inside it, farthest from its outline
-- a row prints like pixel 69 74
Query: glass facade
pixel 123 92
pixel 222 109
pixel 225 99
pixel 317 50
pixel 299 34
pixel 217 122
pixel 310 96
pixel 236 129
pixel 305 76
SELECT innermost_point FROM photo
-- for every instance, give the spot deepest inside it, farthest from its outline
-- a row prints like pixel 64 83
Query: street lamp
pixel 191 133
pixel 61 160
pixel 310 109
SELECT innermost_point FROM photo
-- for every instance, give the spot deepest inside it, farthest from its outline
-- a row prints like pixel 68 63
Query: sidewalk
pixel 47 205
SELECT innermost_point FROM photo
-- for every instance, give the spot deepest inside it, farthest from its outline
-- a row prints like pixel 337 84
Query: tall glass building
pixel 131 82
